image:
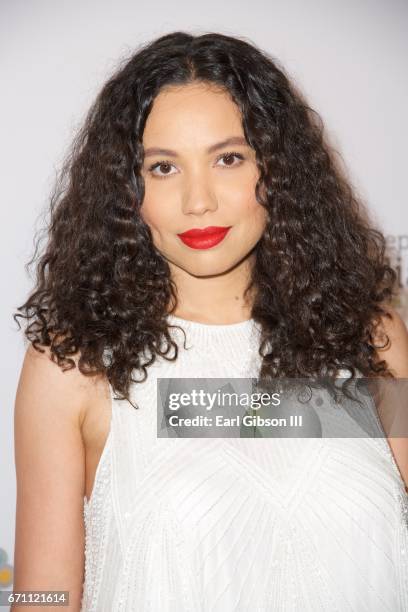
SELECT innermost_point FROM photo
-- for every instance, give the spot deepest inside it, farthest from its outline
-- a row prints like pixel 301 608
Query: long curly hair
pixel 321 276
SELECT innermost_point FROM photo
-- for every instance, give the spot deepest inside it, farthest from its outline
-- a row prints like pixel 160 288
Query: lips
pixel 205 238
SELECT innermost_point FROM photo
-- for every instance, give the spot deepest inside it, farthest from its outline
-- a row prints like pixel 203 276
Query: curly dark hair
pixel 321 276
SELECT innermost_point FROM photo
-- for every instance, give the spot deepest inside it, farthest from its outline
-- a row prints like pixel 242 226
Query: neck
pixel 215 299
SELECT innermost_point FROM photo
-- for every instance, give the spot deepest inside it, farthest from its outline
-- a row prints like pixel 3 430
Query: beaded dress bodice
pixel 239 525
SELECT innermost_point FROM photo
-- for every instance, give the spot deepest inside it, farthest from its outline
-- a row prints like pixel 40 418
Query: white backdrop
pixel 347 56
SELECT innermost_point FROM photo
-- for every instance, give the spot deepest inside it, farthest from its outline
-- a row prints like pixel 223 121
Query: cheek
pixel 150 211
pixel 248 206
pixel 259 217
pixel 254 214
pixel 153 213
pixel 240 191
pixel 251 205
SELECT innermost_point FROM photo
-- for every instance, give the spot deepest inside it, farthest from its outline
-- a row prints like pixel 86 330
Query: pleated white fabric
pixel 240 524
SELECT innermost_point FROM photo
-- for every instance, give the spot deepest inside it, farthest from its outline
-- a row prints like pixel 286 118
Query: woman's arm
pixel 50 469
pixel 396 356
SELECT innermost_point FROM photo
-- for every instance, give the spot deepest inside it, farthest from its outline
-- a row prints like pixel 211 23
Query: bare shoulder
pixel 80 403
pixel 51 408
pixel 72 392
pixel 395 351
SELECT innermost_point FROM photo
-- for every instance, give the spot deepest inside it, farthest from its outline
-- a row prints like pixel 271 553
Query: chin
pixel 208 269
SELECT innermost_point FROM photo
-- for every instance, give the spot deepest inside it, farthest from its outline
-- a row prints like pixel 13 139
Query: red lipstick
pixel 205 238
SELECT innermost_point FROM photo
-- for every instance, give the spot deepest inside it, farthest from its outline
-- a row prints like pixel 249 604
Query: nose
pixel 199 196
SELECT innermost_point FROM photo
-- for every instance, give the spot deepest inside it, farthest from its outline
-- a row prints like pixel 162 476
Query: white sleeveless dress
pixel 240 524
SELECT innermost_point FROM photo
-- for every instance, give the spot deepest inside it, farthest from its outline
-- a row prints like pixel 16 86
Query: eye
pixel 230 156
pixel 164 164
pixel 159 164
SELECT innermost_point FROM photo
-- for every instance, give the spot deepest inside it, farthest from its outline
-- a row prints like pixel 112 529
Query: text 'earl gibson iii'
pixel 246 420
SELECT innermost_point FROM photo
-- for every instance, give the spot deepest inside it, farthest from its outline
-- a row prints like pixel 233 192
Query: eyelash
pixel 165 162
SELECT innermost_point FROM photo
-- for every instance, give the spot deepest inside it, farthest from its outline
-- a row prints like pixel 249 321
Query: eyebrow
pixel 234 140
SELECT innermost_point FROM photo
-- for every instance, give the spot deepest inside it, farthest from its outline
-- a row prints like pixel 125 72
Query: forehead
pixel 191 112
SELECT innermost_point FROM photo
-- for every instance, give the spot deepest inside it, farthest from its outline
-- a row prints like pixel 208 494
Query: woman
pixel 197 132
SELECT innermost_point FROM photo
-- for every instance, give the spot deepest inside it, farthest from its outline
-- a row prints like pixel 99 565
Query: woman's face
pixel 200 181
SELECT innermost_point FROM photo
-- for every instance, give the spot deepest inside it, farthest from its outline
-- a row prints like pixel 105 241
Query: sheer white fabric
pixel 240 524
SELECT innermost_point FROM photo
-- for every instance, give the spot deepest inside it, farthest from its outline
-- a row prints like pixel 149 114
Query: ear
pixel 395 352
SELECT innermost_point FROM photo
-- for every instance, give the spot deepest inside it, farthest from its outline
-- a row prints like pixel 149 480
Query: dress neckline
pixel 241 325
